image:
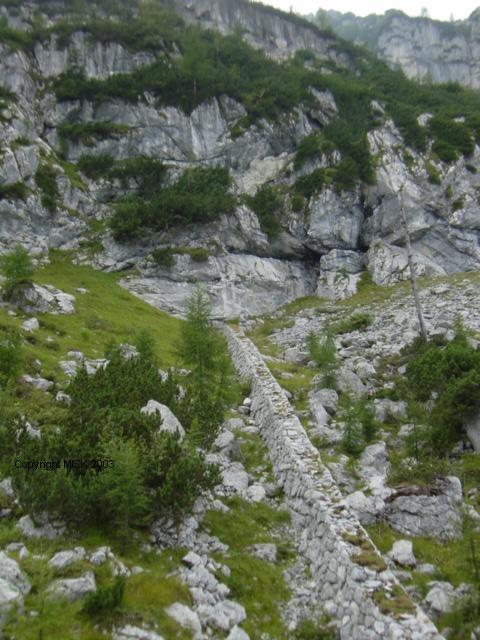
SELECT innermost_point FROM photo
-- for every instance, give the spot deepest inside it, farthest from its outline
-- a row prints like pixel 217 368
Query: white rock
pixel 73 589
pixel 235 477
pixel 11 573
pixel 192 559
pixel 130 632
pixel 224 440
pixel 402 553
pixel 63 559
pixel 45 530
pixel 256 493
pixel 63 398
pixel 7 489
pixel 186 618
pixel 238 634
pixel 38 383
pixel 328 398
pixel 37 298
pixel 31 325
pixel 223 615
pixel 100 556
pixel 441 597
pixel 264 551
pixel 170 423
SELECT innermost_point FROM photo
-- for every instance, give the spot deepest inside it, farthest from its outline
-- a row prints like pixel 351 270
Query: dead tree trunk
pixel 413 277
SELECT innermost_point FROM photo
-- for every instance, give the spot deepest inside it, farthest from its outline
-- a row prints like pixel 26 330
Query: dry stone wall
pixel 357 589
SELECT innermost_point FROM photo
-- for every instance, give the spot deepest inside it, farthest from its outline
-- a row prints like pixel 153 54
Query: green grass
pixel 298 385
pixel 107 312
pixel 452 559
pixel 256 584
pixel 254 456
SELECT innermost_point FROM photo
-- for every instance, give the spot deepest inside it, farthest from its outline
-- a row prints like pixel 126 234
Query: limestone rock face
pixel 323 249
pixel 423 48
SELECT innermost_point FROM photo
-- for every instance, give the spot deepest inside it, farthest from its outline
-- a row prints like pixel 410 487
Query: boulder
pixel 238 634
pixel 35 298
pixel 256 493
pixel 328 398
pixel 472 427
pixel 373 461
pixel 402 553
pixel 441 597
pixel 31 325
pixel 368 508
pixel 12 574
pixel 186 618
pixel 349 382
pixel 414 511
pixel 64 559
pixel 63 398
pixel 223 615
pixel 264 551
pixel 235 478
pixel 170 423
pixel 129 632
pixel 386 409
pixel 73 589
pixel 317 410
pixel 43 530
pixel 38 383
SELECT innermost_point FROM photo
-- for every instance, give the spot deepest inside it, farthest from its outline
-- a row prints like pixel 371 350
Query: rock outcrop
pixel 425 49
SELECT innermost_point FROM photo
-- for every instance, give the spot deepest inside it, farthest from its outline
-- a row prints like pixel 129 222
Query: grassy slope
pixel 107 312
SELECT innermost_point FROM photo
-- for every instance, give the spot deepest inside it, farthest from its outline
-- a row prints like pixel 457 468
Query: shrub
pixel 15 191
pixel 151 471
pixel 310 184
pixel 353 441
pixel 46 180
pixel 267 206
pixel 89 132
pixel 452 371
pixel 200 195
pixel 163 257
pixel 324 353
pixel 209 383
pixel 95 167
pixel 356 322
pixel 11 356
pixel 458 204
pixel 17 267
pixel 147 173
pixel 106 599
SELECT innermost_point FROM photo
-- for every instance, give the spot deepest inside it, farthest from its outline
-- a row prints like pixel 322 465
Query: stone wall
pixel 331 537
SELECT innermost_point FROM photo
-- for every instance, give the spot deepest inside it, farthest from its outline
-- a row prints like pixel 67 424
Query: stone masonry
pixel 353 580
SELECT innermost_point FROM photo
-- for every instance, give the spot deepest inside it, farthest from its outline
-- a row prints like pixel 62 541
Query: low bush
pixel 452 372
pixel 163 257
pixel 106 599
pixel 14 191
pixel 267 206
pixel 324 353
pixel 199 195
pixel 356 322
pixel 17 267
pixel 95 167
pixel 46 180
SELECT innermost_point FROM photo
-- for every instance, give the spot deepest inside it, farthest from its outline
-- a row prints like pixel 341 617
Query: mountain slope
pixel 425 49
pixel 135 139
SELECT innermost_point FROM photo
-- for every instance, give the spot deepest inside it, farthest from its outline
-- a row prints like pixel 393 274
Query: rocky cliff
pixel 425 49
pixel 328 235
